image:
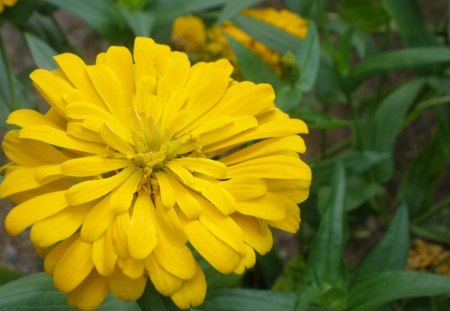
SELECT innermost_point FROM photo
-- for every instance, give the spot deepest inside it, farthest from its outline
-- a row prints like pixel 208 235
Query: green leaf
pixel 436 232
pixel 327 87
pixel 410 22
pixel 325 262
pixel 19 13
pixel 368 15
pixel 154 301
pixel 376 290
pixel 293 276
pixel 251 66
pixel 41 52
pixel 410 58
pixel 269 267
pixel 271 36
pixel 99 14
pixel 392 252
pixel 247 299
pixel 214 278
pixel 319 119
pixel 308 56
pixel 233 7
pixel 37 292
pixel 8 275
pixel 421 179
pixel 141 23
pixel 380 133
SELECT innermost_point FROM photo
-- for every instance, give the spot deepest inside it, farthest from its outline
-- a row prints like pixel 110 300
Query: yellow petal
pixel 164 282
pixel 98 219
pixel 27 117
pixel 59 138
pixel 221 256
pixel 187 200
pixel 193 291
pixel 277 166
pixel 177 259
pixel 203 166
pixel 267 206
pixel 90 166
pixel 73 266
pixel 119 59
pixel 239 125
pixel 122 197
pixel 27 178
pixel 119 227
pixel 256 233
pixel 245 188
pixel 142 232
pixel 131 267
pixel 295 189
pixel 51 87
pixel 55 254
pixel 174 77
pixel 266 147
pixel 169 224
pixel 218 196
pixel 166 188
pixel 126 288
pixel 34 210
pixel 18 151
pixel 90 294
pixel 104 255
pixel 77 130
pixel 113 140
pixel 59 226
pixel 93 189
pixel 291 222
pixel 75 70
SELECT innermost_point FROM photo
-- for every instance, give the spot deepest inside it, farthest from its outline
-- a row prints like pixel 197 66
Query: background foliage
pixel 372 80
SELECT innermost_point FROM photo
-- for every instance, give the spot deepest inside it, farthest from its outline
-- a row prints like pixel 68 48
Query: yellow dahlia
pixel 189 34
pixel 4 3
pixel 140 160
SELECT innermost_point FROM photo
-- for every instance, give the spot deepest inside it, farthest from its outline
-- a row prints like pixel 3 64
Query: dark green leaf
pixel 251 66
pixel 327 87
pixel 308 56
pixel 41 52
pixel 325 262
pixel 368 15
pixel 410 22
pixel 402 59
pixel 434 232
pixel 151 300
pixel 141 23
pixel 269 267
pixel 20 12
pixel 318 119
pixel 247 299
pixel 233 7
pixel 37 292
pixel 214 278
pixel 293 275
pixel 379 133
pixel 8 275
pixel 376 290
pixel 98 14
pixel 421 179
pixel 271 36
pixel 392 252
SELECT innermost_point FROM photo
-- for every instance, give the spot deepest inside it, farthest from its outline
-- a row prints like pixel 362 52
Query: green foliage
pixel 372 81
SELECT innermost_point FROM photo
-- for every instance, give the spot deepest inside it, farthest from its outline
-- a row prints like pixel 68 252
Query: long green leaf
pixel 251 66
pixel 410 58
pixel 308 56
pixel 271 36
pixel 8 275
pixel 233 7
pixel 325 262
pixel 247 299
pixel 37 292
pixel 141 23
pixel 376 290
pixel 41 52
pixel 410 22
pixel 151 300
pixel 392 252
pixel 380 133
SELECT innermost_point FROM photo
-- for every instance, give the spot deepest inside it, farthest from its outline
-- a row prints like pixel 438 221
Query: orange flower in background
pixel 425 256
pixel 187 33
pixel 6 3
pixel 143 158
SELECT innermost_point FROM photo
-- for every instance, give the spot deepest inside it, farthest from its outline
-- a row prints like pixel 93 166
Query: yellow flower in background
pixel 4 3
pixel 425 256
pixel 186 29
pixel 143 158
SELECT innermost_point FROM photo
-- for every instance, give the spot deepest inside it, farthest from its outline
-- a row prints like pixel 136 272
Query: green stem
pixel 65 40
pixel 12 103
pixel 432 211
pixel 323 137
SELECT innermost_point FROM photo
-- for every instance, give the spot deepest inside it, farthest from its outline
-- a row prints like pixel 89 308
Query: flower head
pixel 143 158
pixel 4 3
pixel 189 34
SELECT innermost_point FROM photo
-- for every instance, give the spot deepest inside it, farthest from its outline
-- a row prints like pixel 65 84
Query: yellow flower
pixel 188 34
pixel 217 45
pixel 429 257
pixel 4 3
pixel 142 158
